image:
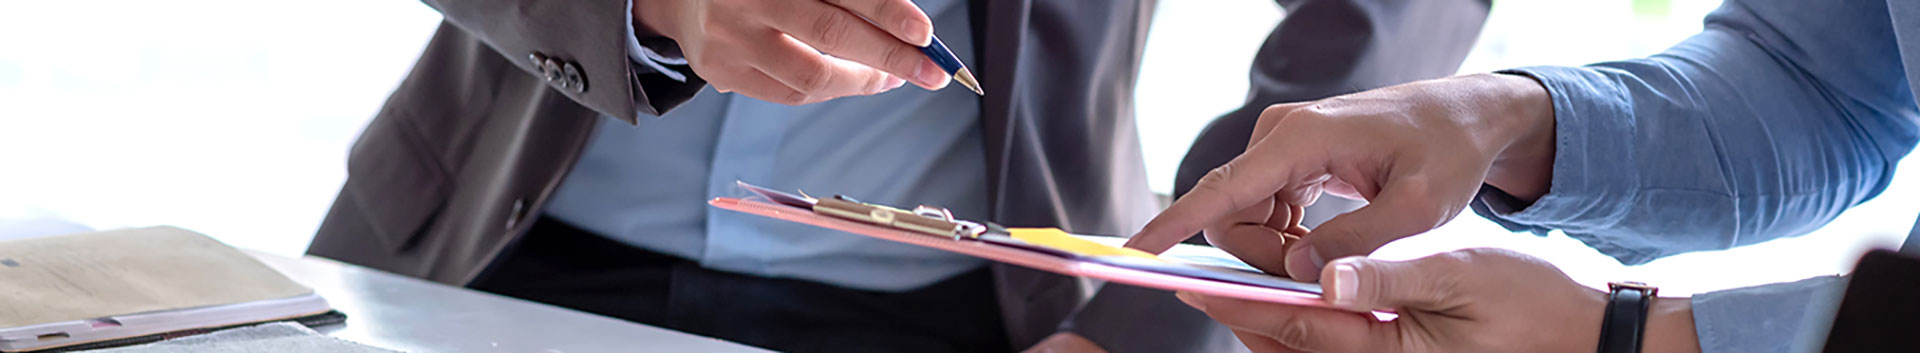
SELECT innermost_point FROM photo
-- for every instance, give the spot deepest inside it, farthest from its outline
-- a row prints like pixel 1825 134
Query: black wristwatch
pixel 1625 320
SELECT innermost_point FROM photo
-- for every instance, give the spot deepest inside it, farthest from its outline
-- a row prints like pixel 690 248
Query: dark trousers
pixel 559 264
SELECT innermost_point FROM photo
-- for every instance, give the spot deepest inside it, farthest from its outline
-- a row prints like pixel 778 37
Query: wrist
pixel 1670 327
pixel 1524 166
pixel 657 17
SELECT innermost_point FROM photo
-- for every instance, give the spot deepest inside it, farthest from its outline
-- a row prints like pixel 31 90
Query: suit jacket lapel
pixel 1002 24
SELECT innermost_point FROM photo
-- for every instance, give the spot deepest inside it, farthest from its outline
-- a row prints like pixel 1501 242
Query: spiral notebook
pixel 1185 268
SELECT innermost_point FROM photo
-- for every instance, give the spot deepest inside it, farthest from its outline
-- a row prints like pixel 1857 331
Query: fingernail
pixel 929 75
pixel 1314 254
pixel 1346 284
pixel 1190 299
pixel 894 82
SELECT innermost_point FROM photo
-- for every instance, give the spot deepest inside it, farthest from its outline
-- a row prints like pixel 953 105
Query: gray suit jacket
pixel 473 142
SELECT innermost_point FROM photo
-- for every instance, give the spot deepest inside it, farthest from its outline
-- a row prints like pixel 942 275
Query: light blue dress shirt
pixel 1772 121
pixel 647 185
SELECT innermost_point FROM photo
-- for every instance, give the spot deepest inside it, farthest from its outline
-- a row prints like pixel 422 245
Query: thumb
pixel 1362 285
pixel 1399 211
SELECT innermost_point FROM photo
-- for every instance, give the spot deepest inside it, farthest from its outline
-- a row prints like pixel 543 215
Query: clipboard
pixel 1046 249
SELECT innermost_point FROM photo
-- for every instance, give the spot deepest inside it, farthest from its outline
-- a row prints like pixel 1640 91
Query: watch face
pixel 1651 290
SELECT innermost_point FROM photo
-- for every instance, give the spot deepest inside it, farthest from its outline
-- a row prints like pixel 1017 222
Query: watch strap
pixel 1624 323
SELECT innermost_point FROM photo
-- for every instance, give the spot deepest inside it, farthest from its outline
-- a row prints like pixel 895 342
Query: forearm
pixel 1670 327
pixel 1524 168
pixel 1716 141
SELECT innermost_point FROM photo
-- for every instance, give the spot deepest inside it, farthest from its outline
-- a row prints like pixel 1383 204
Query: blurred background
pixel 233 117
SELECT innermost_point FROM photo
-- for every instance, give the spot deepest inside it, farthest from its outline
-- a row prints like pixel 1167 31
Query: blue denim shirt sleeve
pixel 1780 317
pixel 1769 123
pixel 1772 121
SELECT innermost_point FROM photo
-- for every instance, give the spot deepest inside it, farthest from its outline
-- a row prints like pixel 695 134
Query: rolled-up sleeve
pixel 1767 124
pixel 1781 317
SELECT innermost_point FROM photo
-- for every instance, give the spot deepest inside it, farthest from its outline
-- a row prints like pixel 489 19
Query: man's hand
pixel 1065 342
pixel 799 51
pixel 1475 300
pixel 1417 152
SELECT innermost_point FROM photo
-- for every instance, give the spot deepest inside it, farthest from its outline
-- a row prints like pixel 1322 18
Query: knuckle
pixel 1273 116
pixel 795 98
pixel 1216 178
pixel 832 30
pixel 1277 110
pixel 1467 259
pixel 899 59
pixel 812 80
pixel 1455 261
pixel 1216 183
pixel 1314 110
pixel 1416 187
pixel 1310 116
pixel 874 85
pixel 1293 332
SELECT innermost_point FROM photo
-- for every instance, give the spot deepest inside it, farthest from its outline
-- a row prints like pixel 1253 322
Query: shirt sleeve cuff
pixel 1594 176
pixel 653 52
pixel 1768 318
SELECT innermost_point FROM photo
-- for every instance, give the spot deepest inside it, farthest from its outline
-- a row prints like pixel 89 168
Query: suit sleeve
pixel 1779 317
pixel 598 36
pixel 1772 121
pixel 1322 48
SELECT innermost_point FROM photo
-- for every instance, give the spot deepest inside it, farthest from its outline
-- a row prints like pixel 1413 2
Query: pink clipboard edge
pixel 1026 258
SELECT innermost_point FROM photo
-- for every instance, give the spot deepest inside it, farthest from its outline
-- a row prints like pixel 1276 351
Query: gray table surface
pixel 413 315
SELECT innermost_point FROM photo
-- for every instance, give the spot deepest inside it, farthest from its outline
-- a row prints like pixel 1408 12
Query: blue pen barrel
pixel 941 56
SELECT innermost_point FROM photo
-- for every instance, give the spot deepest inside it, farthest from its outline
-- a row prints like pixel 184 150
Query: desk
pixel 413 315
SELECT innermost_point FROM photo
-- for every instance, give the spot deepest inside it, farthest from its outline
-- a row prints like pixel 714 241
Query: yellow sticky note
pixel 1058 239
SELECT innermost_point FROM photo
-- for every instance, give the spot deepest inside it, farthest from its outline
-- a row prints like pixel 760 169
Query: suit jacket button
pixel 519 211
pixel 575 79
pixel 552 70
pixel 537 59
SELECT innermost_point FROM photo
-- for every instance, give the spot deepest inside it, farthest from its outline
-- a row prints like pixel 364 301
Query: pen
pixel 944 57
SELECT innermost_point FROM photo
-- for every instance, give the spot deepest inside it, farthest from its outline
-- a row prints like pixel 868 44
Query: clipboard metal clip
pixel 922 219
